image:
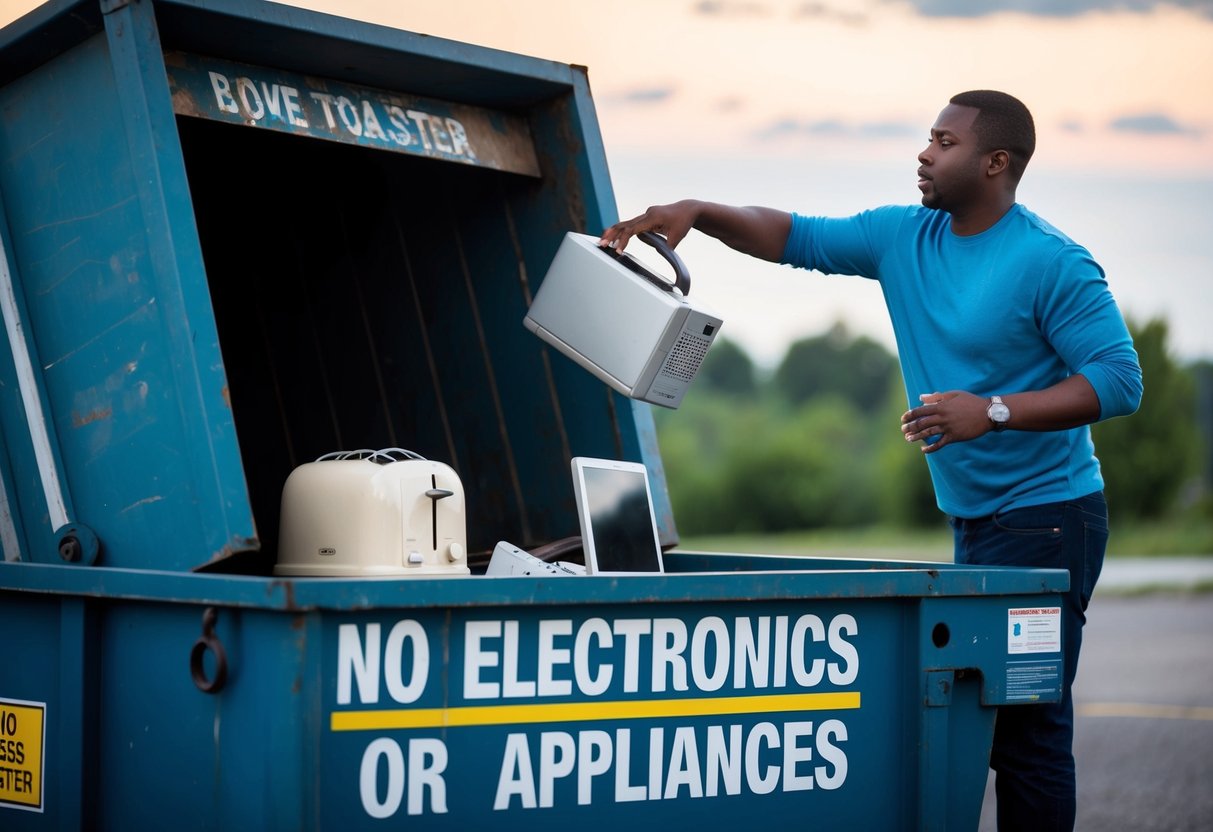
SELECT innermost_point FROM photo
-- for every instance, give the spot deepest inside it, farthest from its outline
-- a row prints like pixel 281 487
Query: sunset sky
pixel 821 106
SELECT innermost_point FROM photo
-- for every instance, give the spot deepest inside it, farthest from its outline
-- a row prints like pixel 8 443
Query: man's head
pixel 979 147
pixel 1002 123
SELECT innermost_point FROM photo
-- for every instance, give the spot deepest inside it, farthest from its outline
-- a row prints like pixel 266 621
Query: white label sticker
pixel 1034 630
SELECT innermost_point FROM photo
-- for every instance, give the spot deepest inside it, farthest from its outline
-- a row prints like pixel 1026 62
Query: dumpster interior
pixel 366 299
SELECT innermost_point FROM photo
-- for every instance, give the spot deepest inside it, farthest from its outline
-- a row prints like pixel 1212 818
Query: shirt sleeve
pixel 850 245
pixel 1080 318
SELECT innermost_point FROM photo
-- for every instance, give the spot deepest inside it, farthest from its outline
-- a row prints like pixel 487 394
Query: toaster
pixel 369 513
pixel 634 330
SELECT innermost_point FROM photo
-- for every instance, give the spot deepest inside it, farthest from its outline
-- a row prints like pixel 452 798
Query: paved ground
pixel 1140 574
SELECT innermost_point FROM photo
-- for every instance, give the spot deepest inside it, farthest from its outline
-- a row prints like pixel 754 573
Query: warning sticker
pixel 1034 630
pixel 22 738
pixel 1032 680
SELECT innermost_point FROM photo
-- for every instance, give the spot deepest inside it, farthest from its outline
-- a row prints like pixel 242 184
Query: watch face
pixel 999 412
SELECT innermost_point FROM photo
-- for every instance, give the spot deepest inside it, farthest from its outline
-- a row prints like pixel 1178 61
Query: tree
pixel 1148 457
pixel 1202 376
pixel 859 369
pixel 812 470
pixel 728 369
pixel 906 496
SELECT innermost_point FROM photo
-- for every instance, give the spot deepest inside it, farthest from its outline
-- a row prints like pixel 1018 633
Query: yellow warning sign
pixel 22 738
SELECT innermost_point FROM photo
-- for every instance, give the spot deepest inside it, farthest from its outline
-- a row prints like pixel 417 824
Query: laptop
pixel 615 510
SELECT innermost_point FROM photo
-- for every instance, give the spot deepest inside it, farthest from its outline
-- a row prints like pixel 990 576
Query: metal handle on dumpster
pixel 208 641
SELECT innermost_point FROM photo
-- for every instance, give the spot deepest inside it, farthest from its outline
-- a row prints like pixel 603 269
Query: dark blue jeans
pixel 1032 754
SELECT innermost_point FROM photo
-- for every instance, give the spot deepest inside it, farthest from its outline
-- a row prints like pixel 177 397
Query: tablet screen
pixel 618 529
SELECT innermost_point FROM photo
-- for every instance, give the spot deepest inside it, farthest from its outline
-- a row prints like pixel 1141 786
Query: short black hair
pixel 1003 123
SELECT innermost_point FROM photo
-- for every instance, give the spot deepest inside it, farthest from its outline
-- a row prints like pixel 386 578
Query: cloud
pixel 889 129
pixel 643 95
pixel 731 8
pixel 1152 124
pixel 822 11
pixel 1049 8
pixel 790 128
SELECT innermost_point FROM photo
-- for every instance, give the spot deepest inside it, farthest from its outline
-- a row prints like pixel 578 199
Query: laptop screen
pixel 615 508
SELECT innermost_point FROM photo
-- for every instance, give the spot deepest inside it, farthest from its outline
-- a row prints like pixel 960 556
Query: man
pixel 1011 344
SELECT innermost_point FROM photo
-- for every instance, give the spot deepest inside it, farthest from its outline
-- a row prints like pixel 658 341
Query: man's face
pixel 950 167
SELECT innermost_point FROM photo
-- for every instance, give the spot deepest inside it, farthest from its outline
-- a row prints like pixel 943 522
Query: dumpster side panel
pixel 242 755
pixel 118 351
pixel 30 674
pixel 616 715
pixel 831 699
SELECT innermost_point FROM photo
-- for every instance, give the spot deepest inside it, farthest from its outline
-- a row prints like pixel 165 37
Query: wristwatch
pixel 998 413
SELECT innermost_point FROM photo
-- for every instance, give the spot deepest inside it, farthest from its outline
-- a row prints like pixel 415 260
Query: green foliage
pixel 694 442
pixel 1148 457
pixel 857 368
pixel 819 445
pixel 728 369
pixel 759 462
pixel 749 469
pixel 808 472
pixel 906 497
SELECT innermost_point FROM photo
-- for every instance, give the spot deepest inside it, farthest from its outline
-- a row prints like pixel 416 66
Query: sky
pixel 821 107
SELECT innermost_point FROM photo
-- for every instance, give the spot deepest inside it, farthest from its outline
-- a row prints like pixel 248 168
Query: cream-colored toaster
pixel 368 513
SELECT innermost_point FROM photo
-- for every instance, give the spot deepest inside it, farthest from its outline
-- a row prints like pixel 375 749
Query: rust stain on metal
pixel 288 592
pixel 79 421
pixel 185 104
pixel 227 396
pixel 237 545
pixel 298 624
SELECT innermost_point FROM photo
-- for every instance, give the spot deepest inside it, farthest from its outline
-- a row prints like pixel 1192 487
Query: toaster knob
pixel 455 552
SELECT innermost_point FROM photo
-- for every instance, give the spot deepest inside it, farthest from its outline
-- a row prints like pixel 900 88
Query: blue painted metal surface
pixel 201 306
pixel 196 344
pixel 110 272
pixel 799 693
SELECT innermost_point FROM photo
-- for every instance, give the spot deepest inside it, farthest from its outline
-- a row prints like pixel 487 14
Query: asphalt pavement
pixel 1122 574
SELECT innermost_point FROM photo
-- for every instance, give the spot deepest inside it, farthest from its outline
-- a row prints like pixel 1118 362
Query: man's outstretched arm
pixel 759 232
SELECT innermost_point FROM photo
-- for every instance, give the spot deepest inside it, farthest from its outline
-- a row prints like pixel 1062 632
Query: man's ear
pixel 1000 162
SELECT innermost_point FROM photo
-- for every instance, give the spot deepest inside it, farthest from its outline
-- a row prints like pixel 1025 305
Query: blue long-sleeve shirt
pixel 1015 308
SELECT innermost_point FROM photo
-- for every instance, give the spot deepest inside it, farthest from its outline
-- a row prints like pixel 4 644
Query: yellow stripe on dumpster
pixel 471 716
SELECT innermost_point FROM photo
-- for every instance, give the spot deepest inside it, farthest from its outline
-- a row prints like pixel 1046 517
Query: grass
pixel 1181 536
pixel 1191 536
pixel 875 542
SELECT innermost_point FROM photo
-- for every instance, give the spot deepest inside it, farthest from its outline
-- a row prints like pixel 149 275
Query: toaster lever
pixel 436 494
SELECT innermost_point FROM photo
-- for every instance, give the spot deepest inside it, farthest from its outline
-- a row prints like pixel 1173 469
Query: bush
pixel 1147 458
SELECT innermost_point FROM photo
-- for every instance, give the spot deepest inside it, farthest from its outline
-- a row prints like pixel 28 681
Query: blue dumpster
pixel 238 236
